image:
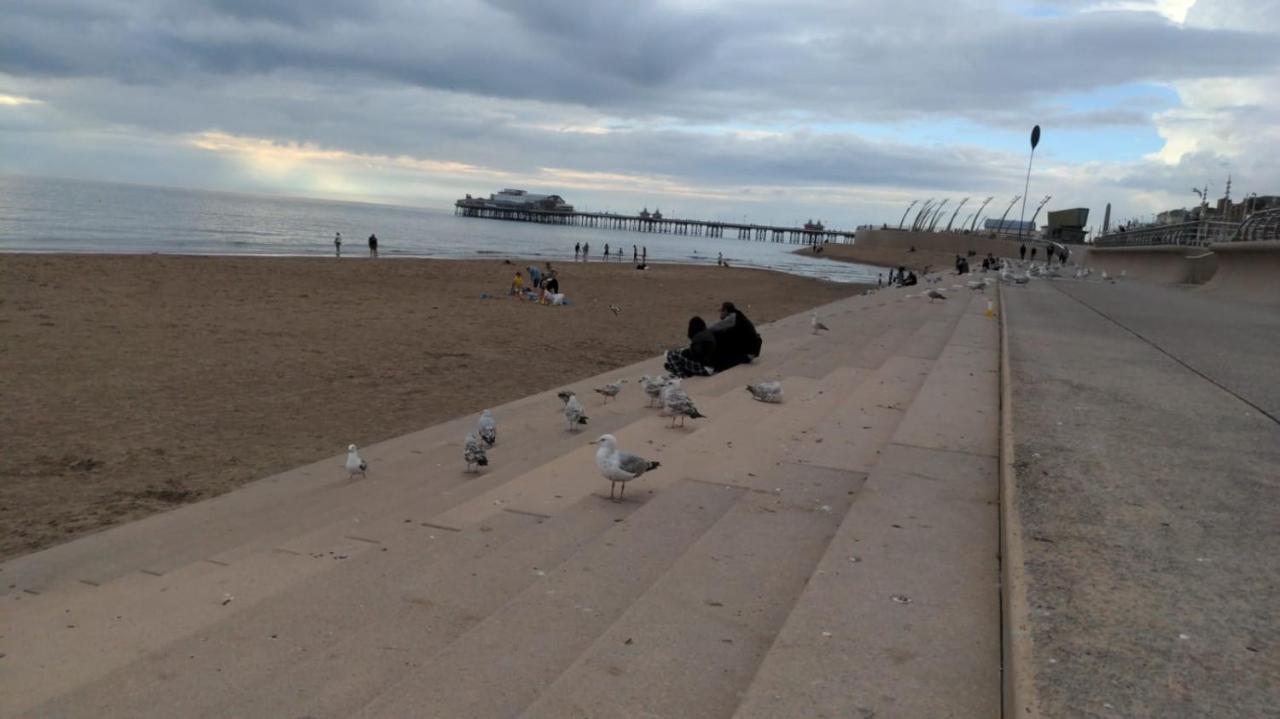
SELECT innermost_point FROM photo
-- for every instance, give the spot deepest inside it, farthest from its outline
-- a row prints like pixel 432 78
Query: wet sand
pixel 132 384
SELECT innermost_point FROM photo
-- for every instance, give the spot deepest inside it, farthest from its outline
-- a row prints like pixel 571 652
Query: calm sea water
pixel 56 215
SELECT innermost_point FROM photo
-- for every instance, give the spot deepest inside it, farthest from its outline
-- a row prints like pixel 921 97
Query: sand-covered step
pixel 502 663
pixel 689 645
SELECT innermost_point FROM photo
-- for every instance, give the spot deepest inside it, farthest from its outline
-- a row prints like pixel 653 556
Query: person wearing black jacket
pixel 699 357
pixel 737 341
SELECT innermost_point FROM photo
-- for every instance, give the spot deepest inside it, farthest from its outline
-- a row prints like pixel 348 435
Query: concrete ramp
pixel 1166 265
pixel 1248 271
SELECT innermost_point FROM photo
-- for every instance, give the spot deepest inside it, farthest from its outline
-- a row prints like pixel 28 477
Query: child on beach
pixel 517 285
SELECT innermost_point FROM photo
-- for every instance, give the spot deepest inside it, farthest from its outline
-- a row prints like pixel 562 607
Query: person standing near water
pixel 373 245
pixel 337 244
pixel 606 252
pixel 635 254
pixel 577 250
pixel 586 251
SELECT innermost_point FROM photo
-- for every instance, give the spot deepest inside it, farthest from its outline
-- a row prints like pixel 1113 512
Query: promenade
pixel 836 555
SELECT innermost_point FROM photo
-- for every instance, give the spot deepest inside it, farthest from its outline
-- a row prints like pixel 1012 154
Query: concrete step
pixel 498 666
pixel 689 645
pixel 901 619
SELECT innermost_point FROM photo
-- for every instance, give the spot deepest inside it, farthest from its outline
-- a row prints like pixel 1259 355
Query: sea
pixel 39 214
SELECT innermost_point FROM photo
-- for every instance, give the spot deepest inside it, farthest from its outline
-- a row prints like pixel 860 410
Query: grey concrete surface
pixel 1148 499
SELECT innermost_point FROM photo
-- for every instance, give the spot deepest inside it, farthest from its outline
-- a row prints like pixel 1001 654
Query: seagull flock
pixel 615 465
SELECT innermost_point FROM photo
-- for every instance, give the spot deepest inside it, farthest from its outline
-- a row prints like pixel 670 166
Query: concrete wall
pixel 1248 271
pixel 1166 265
pixel 953 242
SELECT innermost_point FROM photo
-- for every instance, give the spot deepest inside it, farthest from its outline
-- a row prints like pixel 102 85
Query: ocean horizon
pixel 44 214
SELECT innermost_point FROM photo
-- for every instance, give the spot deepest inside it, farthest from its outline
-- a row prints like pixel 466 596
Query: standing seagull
pixel 355 465
pixel 817 324
pixel 473 452
pixel 619 466
pixel 935 294
pixel 611 390
pixel 653 387
pixel 573 412
pixel 487 428
pixel 676 403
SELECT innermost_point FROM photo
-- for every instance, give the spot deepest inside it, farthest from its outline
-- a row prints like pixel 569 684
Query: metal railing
pixel 1188 234
pixel 1259 227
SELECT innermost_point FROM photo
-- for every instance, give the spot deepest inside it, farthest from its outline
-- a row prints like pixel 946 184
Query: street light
pixel 1035 140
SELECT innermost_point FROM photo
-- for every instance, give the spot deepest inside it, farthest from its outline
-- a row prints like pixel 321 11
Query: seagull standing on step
pixel 473 453
pixel 611 389
pixel 355 465
pixel 487 428
pixel 573 412
pixel 817 324
pixel 619 466
pixel 766 391
pixel 935 294
pixel 653 387
pixel 676 403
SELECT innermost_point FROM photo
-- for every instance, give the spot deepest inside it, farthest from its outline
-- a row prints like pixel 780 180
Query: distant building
pixel 1068 225
pixel 510 199
pixel 1026 227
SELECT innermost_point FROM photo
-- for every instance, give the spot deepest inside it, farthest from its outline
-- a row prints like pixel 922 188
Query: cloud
pixel 723 102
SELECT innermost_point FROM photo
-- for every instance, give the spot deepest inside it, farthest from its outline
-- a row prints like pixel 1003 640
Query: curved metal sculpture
pixel 1000 227
pixel 978 214
pixel 953 214
pixel 937 212
pixel 1260 227
pixel 904 213
pixel 915 224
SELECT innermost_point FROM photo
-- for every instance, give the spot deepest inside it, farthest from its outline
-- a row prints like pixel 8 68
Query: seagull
pixel 934 293
pixel 676 403
pixel 611 389
pixel 619 466
pixel 817 324
pixel 615 310
pixel 766 391
pixel 355 465
pixel 473 452
pixel 573 412
pixel 487 428
pixel 653 387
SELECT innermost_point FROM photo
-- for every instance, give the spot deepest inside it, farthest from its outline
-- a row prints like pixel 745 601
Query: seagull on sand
pixel 676 403
pixel 766 391
pixel 473 452
pixel 817 324
pixel 355 465
pixel 615 310
pixel 619 466
pixel 487 428
pixel 934 293
pixel 573 412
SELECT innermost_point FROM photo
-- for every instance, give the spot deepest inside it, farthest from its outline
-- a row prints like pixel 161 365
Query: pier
pixel 810 235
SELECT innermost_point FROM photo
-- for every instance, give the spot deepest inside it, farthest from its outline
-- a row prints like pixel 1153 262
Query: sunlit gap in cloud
pixel 18 100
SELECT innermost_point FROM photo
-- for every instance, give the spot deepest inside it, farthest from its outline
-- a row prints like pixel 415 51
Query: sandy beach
pixel 132 384
pixel 885 257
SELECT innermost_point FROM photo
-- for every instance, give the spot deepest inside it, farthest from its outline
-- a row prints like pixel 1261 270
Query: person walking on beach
pixel 337 244
pixel 1022 252
pixel 577 250
pixel 373 245
pixel 586 251
pixel 644 255
pixel 635 254
pixel 619 253
pixel 606 252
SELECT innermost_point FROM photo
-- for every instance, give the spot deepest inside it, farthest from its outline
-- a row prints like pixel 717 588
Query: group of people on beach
pixel 1062 254
pixel 730 342
pixel 337 245
pixel 639 255
pixel 901 277
pixel 544 286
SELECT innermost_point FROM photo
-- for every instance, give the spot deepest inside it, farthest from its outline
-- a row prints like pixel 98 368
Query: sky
pixel 766 111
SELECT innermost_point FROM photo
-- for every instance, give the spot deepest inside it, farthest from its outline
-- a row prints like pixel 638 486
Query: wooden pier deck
pixel 662 225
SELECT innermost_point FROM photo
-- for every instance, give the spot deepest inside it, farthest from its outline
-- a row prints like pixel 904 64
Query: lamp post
pixel 1035 140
